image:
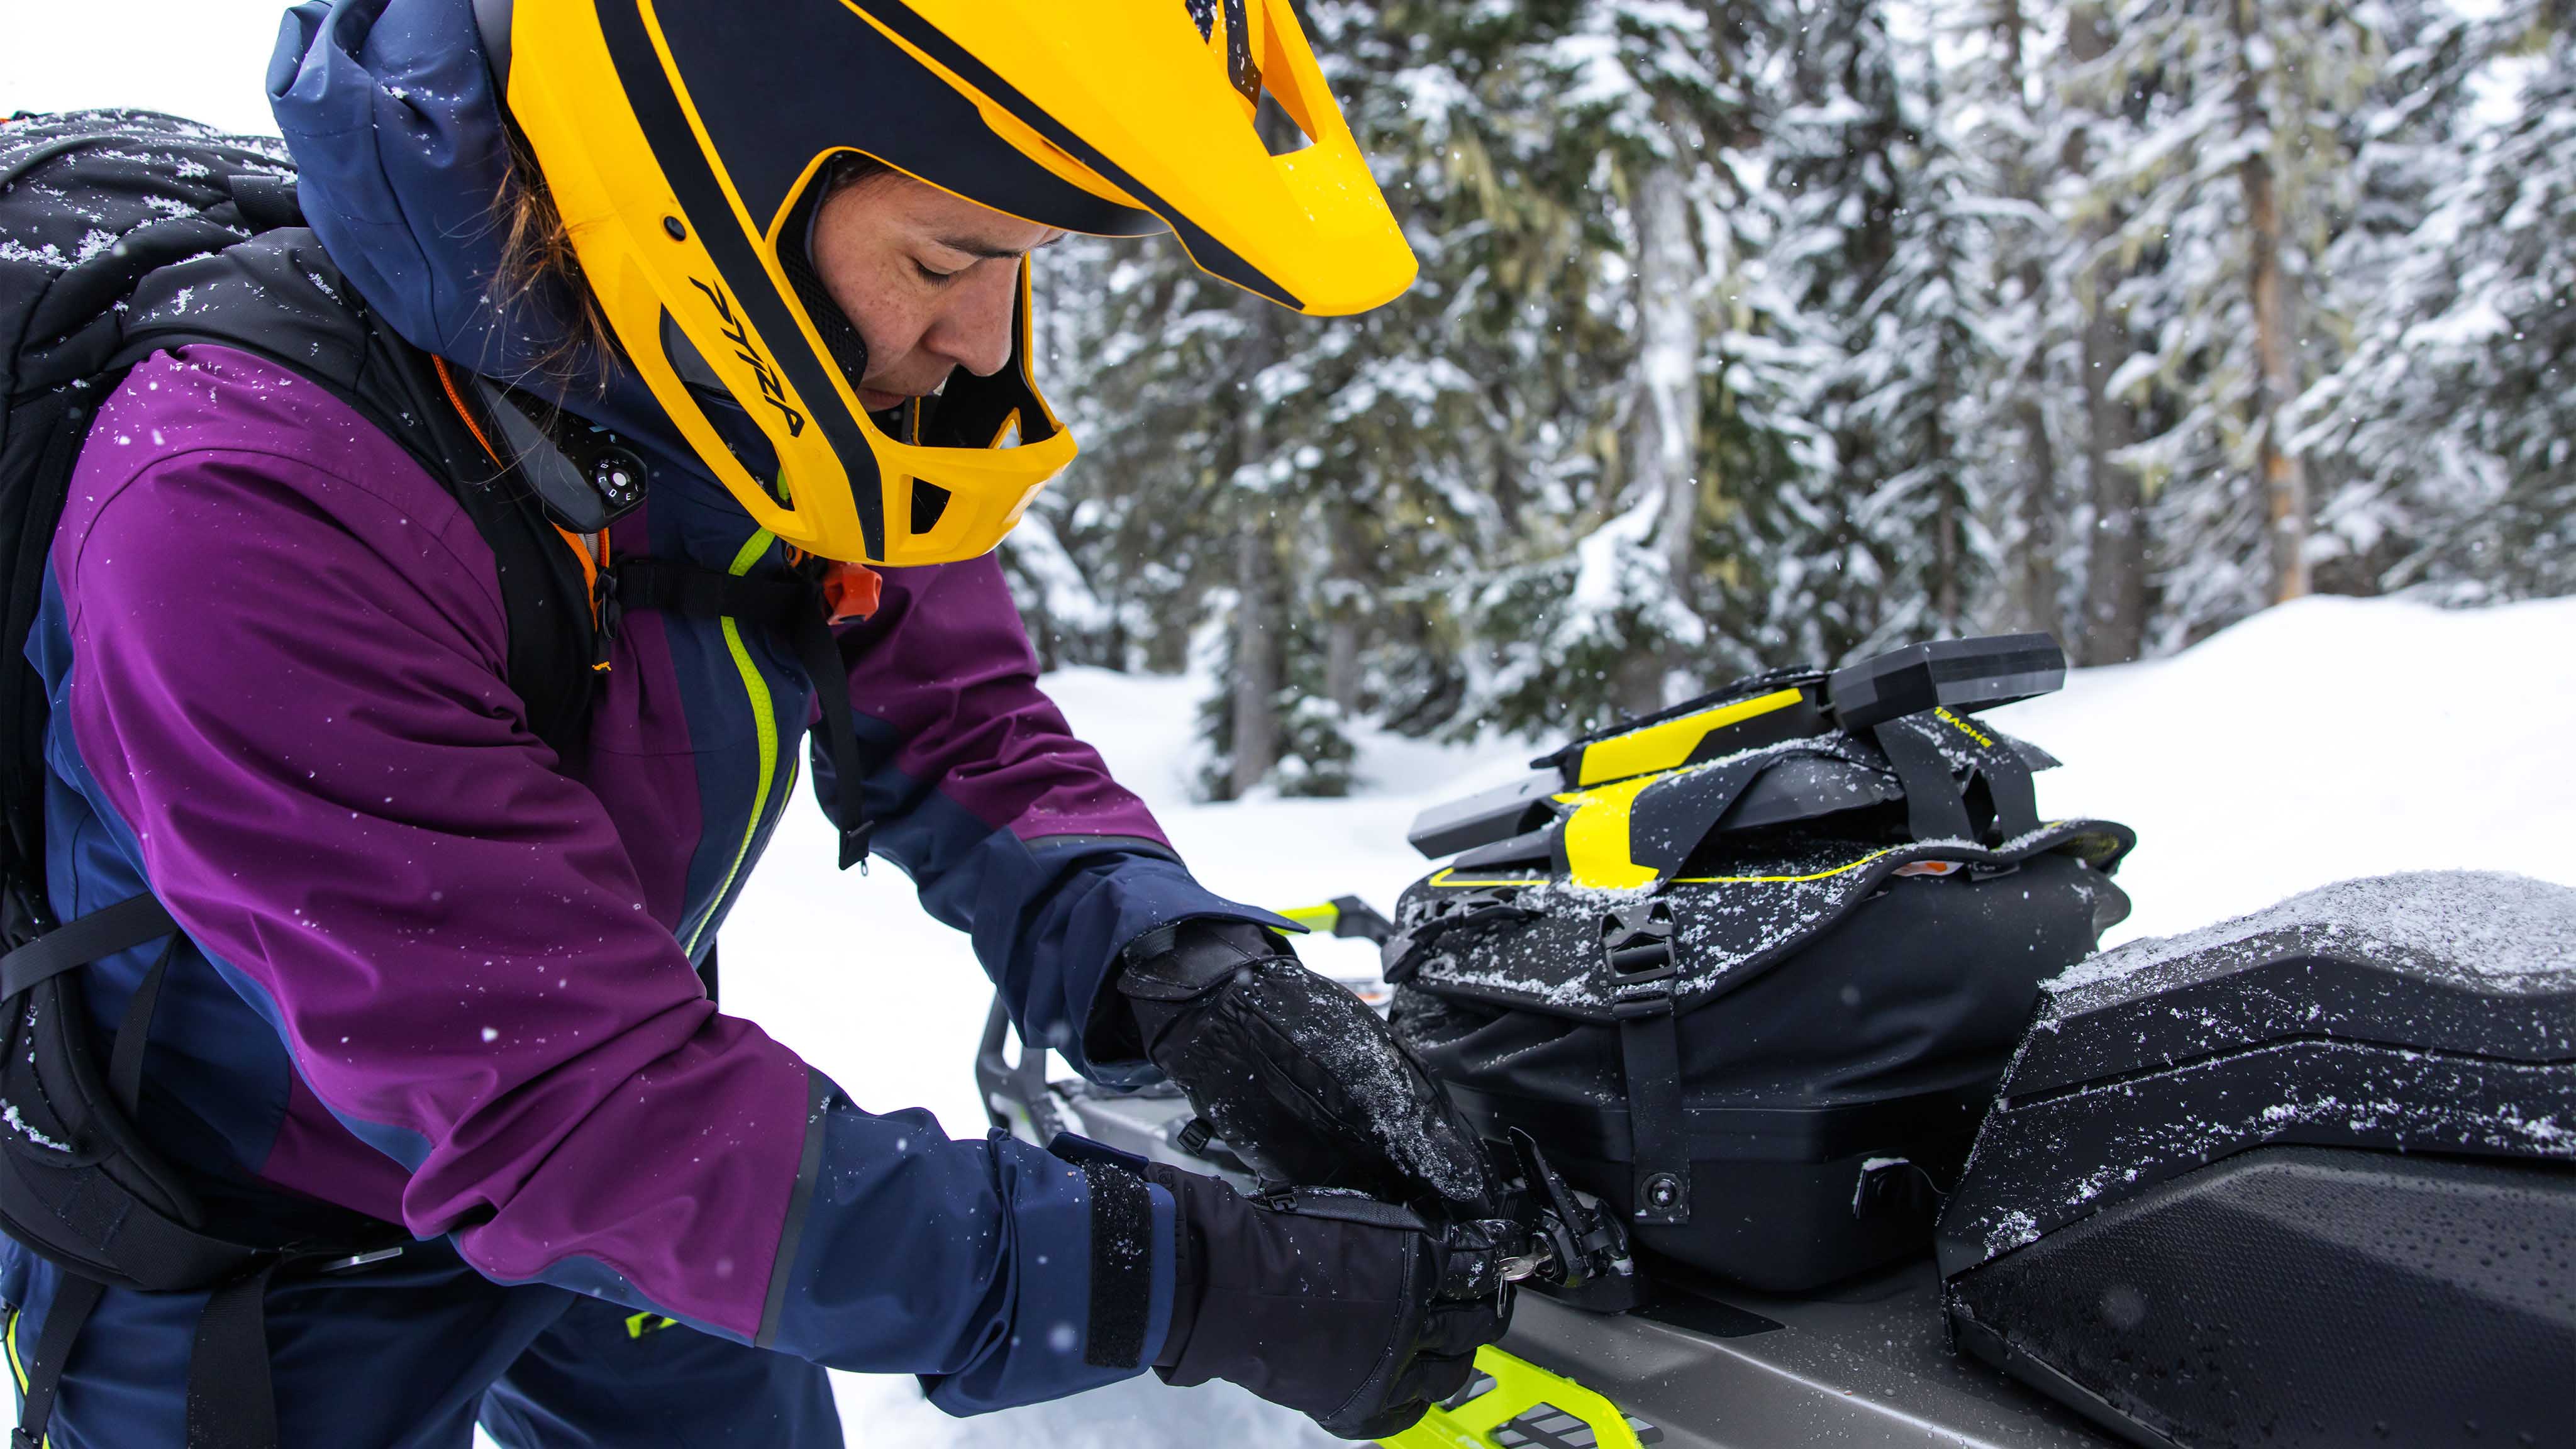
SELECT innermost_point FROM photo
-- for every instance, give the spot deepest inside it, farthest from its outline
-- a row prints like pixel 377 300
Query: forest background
pixel 1780 331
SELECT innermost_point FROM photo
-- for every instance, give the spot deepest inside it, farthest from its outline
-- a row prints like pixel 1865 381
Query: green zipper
pixel 764 719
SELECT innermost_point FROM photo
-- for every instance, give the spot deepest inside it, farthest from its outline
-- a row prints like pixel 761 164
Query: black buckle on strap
pixel 1400 954
pixel 1637 942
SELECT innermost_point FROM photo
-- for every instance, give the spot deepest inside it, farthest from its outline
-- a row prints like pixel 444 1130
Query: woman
pixel 441 974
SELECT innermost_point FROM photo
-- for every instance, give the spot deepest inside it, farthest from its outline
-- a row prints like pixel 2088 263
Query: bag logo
pixel 772 391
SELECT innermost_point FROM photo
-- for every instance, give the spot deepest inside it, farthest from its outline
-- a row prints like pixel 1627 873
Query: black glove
pixel 1350 1311
pixel 1296 1074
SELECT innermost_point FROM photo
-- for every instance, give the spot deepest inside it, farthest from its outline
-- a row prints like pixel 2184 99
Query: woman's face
pixel 929 279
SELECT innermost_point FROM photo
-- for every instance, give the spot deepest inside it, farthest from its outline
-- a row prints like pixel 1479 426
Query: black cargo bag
pixel 2303 1178
pixel 1757 994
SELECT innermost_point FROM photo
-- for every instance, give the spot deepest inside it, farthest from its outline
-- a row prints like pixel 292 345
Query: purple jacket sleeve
pixel 289 685
pixel 288 688
pixel 1011 827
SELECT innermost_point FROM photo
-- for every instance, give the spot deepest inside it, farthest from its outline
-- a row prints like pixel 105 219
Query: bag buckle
pixel 1400 954
pixel 1637 942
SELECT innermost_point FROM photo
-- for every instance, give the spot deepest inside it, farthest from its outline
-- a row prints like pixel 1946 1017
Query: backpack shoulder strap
pixel 279 297
pixel 90 203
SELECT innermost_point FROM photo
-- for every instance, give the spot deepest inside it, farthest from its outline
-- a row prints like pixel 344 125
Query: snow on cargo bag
pixel 2303 1178
pixel 1750 969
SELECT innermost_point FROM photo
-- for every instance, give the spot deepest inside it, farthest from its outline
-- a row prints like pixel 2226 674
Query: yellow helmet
pixel 682 139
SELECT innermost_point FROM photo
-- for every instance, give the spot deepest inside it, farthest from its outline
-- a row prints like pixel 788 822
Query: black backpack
pixel 124 234
pixel 1749 970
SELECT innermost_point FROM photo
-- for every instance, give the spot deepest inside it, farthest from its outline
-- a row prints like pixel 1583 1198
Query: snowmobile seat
pixel 2305 1177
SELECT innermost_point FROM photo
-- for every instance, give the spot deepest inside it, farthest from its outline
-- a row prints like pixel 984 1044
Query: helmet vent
pixel 1280 133
pixel 929 501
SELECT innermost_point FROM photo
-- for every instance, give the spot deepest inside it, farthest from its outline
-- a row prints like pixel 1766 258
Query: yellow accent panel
pixel 1519 1386
pixel 640 1324
pixel 1444 879
pixel 1316 918
pixel 1447 878
pixel 1596 837
pixel 764 723
pixel 1664 746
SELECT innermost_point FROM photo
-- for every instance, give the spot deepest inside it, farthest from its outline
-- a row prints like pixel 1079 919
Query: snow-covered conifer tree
pixel 1880 249
pixel 2456 416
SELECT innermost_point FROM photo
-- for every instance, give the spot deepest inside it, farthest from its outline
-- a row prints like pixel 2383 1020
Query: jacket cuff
pixel 1091 1291
pixel 1125 897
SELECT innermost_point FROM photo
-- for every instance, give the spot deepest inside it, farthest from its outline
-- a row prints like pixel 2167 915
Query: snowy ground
pixel 2329 739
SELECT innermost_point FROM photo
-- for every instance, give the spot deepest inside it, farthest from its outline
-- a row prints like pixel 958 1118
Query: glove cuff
pixel 1188 959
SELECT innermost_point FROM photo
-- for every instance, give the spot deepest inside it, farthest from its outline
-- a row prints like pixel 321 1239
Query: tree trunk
pixel 2276 376
pixel 2115 595
pixel 1342 659
pixel 2115 591
pixel 1342 610
pixel 2035 581
pixel 1256 654
pixel 1949 518
pixel 1259 670
pixel 1667 452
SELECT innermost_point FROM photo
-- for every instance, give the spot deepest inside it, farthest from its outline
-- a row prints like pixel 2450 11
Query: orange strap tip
pixel 852 591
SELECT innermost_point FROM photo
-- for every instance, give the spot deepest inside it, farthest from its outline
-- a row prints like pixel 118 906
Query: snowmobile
pixel 2304 1177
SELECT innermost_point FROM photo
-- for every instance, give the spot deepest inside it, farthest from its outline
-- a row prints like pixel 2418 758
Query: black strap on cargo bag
pixel 1638 941
pixel 1934 807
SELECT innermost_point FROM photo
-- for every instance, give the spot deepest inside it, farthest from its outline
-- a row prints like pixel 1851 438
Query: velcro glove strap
pixel 1188 959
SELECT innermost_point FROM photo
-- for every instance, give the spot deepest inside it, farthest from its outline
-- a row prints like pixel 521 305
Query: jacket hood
pixel 395 122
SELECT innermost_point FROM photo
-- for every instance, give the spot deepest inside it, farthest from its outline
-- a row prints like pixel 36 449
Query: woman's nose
pixel 974 330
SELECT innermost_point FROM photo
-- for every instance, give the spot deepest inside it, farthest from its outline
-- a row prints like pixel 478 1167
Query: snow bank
pixel 2320 741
